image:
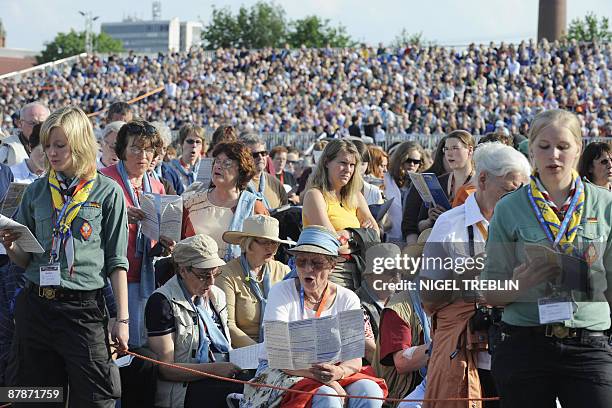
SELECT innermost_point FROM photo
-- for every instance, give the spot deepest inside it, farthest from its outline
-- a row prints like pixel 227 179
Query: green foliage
pixel 314 32
pixel 589 29
pixel 265 25
pixel 66 45
pixel 404 39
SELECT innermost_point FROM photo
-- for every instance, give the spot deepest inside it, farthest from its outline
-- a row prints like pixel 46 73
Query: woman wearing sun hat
pixel 247 280
pixel 312 295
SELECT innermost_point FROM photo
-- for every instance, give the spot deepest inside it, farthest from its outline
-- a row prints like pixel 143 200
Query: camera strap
pixel 470 230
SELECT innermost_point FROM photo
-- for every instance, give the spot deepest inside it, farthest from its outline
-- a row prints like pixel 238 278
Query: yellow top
pixel 339 216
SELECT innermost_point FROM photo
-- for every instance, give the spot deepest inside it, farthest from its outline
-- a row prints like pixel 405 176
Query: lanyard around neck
pixel 321 304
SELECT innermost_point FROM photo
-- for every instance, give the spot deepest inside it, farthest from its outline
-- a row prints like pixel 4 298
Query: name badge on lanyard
pixel 50 275
pixel 555 309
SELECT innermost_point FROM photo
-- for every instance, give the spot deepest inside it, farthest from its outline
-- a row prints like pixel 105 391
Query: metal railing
pixel 43 66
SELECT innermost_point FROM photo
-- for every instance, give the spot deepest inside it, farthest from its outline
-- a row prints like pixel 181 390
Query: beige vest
pixel 14 150
pixel 399 384
pixel 172 394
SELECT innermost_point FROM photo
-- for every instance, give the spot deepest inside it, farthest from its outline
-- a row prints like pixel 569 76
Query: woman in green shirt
pixel 79 218
pixel 552 343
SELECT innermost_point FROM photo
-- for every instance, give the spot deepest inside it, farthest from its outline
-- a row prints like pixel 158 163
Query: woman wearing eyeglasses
pixel 596 164
pixel 247 280
pixel 187 326
pixel 227 203
pixel 193 147
pixel 137 144
pixel 312 295
pixel 406 158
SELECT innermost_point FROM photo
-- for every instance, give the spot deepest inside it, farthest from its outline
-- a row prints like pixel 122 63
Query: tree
pixel 589 29
pixel 73 43
pixel 264 25
pixel 404 39
pixel 314 32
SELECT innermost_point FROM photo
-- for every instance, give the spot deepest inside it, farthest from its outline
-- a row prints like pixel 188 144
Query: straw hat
pixel 256 226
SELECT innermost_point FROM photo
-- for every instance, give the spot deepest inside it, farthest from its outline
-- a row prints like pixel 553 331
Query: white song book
pixel 163 216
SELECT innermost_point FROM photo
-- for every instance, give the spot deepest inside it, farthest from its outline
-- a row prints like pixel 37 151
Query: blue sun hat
pixel 316 239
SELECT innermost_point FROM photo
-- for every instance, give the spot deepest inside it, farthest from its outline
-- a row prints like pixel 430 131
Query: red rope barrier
pixel 252 384
pixel 131 101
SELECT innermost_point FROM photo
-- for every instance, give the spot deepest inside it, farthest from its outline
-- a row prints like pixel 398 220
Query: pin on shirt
pixel 590 255
pixel 86 230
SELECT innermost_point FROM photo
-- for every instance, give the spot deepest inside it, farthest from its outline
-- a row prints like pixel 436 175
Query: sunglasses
pixel 605 162
pixel 193 141
pixel 266 242
pixel 292 162
pixel 318 264
pixel 224 164
pixel 416 162
pixel 257 155
pixel 141 129
pixel 203 277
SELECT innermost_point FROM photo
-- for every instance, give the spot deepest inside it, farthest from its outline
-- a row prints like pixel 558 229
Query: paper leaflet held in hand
pixel 300 344
pixel 429 189
pixel 26 241
pixel 163 216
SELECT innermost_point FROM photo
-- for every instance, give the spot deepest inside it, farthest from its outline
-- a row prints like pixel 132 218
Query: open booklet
pixel 429 189
pixel 247 357
pixel 26 241
pixel 205 171
pixel 163 216
pixel 11 201
pixel 300 344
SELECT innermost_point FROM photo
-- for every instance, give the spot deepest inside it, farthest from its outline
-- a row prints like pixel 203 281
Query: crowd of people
pixel 280 234
pixel 375 91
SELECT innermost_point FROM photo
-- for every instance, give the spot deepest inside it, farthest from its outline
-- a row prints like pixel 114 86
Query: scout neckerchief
pixel 143 244
pixel 189 175
pixel 262 298
pixel 262 187
pixel 66 209
pixel 207 328
pixel 560 233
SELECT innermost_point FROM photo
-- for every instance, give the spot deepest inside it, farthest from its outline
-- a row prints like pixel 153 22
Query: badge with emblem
pixel 86 231
pixel 590 255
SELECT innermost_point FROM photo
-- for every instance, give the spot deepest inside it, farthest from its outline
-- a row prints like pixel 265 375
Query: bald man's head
pixel 30 115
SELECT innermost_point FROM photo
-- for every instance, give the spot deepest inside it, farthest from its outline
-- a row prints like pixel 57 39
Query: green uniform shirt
pixel 96 255
pixel 515 224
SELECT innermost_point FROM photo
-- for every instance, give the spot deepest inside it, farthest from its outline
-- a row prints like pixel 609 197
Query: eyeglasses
pixel 257 155
pixel 294 162
pixel 204 277
pixel 266 242
pixel 193 141
pixel 32 122
pixel 134 128
pixel 224 164
pixel 135 150
pixel 317 264
pixel 416 162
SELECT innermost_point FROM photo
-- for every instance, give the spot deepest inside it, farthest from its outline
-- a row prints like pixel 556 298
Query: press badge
pixel 50 275
pixel 555 310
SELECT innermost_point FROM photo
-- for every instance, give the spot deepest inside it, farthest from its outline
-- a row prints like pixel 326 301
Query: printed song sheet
pixel 429 189
pixel 205 172
pixel 247 357
pixel 163 216
pixel 298 345
pixel 27 242
pixel 12 199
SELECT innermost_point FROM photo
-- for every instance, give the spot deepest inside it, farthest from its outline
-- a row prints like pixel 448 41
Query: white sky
pixel 29 23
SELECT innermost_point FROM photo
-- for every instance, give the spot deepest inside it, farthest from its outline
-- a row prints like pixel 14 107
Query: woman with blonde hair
pixel 564 354
pixel 79 217
pixel 334 200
